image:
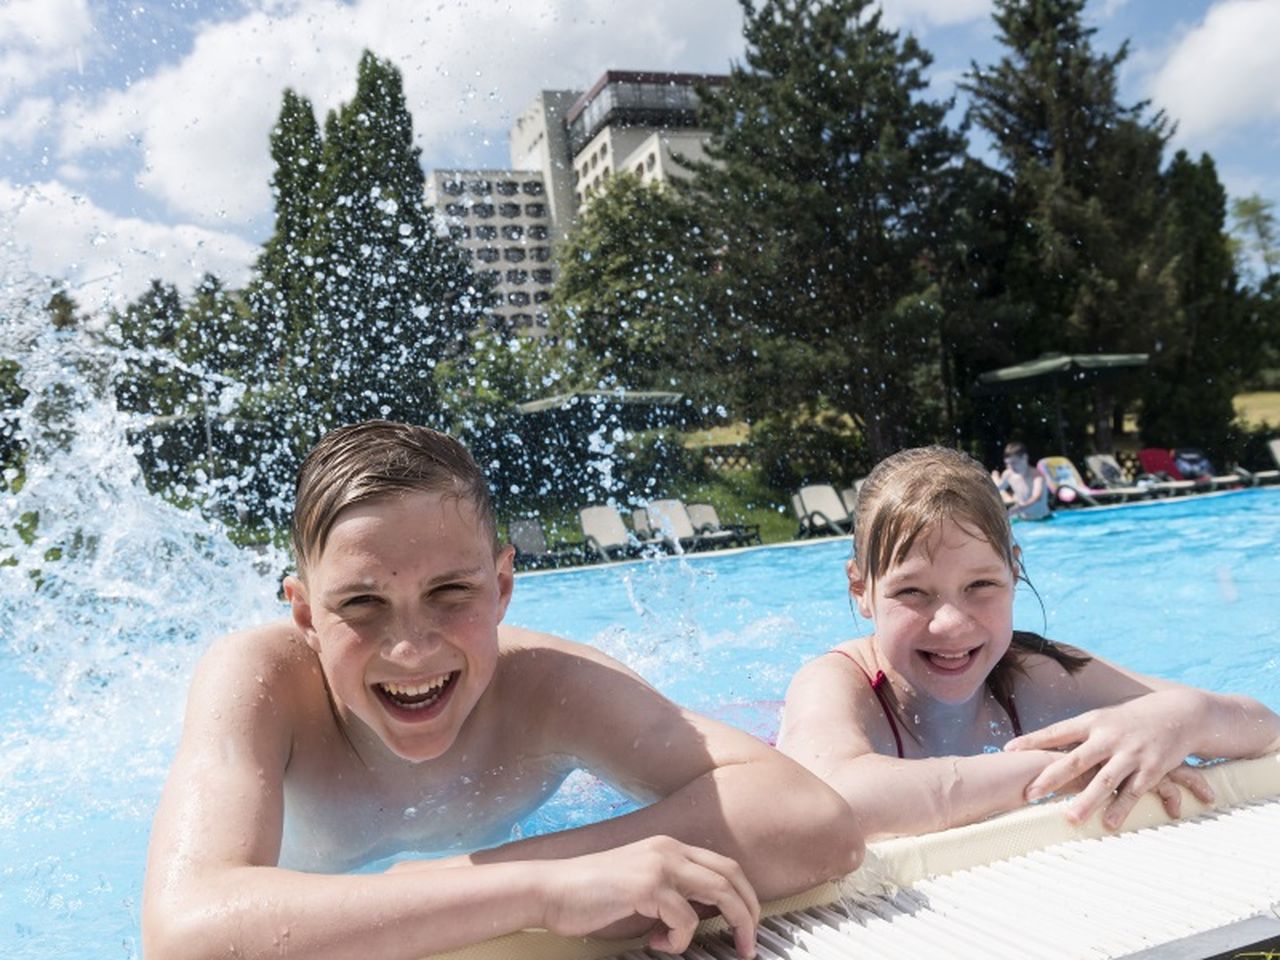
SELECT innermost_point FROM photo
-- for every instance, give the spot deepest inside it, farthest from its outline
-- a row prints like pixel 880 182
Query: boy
pixel 393 712
pixel 1021 485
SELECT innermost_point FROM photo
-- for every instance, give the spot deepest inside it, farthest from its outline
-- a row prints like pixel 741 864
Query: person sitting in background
pixel 395 712
pixel 945 714
pixel 1021 486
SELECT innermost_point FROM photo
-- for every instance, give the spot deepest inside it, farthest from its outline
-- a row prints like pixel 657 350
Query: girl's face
pixel 944 615
pixel 402 608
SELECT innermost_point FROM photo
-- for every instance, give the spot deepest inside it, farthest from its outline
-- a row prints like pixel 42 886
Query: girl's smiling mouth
pixel 949 662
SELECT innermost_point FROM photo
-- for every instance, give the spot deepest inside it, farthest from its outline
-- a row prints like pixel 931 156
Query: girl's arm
pixel 827 722
pixel 1134 731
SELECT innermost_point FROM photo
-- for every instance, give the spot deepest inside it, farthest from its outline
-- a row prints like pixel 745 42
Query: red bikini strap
pixel 877 687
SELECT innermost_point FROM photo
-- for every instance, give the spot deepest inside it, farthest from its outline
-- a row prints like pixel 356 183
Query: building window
pixel 541 296
pixel 507 187
pixel 493 276
pixel 649 161
pixel 595 160
pixel 577 177
pixel 486 231
pixel 578 196
pixel 513 255
pixel 452 187
pixel 534 188
pixel 487 254
pixel 639 169
pixel 480 187
pixel 542 275
pixel 518 298
pixel 512 231
pixel 604 149
pixel 518 277
pixel 459 232
pixel 456 209
pixel 522 319
pixel 509 209
pixel 539 254
pixel 535 209
pixel 537 232
pixel 483 210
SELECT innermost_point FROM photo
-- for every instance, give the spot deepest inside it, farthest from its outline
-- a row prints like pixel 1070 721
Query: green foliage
pixel 1254 220
pixel 630 307
pixel 828 164
pixel 791 452
pixel 1086 269
pixel 1204 350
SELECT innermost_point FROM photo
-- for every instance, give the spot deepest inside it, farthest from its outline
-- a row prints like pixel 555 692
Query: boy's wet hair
pixel 377 459
pixel 1016 448
pixel 909 495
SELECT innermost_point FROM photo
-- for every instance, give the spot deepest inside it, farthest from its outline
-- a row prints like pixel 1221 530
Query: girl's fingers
pixel 1067 770
pixel 1170 797
pixel 1193 780
pixel 1065 733
pixel 1099 790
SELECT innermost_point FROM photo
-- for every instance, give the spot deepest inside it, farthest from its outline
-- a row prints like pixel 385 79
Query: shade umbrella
pixel 1054 371
pixel 629 409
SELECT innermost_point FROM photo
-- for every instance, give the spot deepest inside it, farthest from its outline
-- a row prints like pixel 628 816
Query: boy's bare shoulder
pixel 273 655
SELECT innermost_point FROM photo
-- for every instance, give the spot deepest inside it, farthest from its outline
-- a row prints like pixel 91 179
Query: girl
pixel 946 715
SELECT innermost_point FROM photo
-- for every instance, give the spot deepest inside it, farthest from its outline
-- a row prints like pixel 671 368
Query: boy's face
pixel 403 608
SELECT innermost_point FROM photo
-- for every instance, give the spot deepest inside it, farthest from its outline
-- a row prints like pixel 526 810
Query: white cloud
pixel 39 38
pixel 22 123
pixel 202 124
pixel 1222 74
pixel 108 259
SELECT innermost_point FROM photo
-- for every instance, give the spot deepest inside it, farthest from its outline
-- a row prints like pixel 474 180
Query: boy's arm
pixel 715 786
pixel 213 890
pixel 1135 730
pixel 828 712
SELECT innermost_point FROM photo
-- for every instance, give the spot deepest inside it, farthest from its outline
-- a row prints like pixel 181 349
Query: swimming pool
pixel 94 666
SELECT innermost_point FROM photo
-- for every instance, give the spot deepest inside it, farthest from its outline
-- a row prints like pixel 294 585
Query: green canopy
pixel 1052 371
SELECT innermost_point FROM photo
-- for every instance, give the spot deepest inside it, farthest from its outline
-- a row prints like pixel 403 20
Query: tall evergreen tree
pixel 278 291
pixel 387 297
pixel 1084 272
pixel 1202 352
pixel 827 167
pixel 149 328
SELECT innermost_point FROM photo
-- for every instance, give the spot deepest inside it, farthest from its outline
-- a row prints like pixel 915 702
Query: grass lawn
pixel 1258 408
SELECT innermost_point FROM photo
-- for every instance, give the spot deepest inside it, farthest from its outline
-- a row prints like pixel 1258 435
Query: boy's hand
pixel 1131 749
pixel 654 884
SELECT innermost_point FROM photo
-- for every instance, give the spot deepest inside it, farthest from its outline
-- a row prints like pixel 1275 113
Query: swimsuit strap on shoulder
pixel 877 687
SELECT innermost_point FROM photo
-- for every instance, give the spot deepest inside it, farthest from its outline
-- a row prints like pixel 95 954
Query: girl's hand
pixel 1117 754
pixel 654 884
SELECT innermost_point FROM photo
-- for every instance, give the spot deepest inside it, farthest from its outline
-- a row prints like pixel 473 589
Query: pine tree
pixel 1084 271
pixel 828 164
pixel 387 297
pixel 1202 352
pixel 278 293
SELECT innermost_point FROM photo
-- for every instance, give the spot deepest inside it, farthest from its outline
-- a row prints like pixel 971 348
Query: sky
pixel 134 133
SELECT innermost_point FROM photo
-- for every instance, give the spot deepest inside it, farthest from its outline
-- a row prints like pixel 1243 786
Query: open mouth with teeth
pixel 949 662
pixel 417 699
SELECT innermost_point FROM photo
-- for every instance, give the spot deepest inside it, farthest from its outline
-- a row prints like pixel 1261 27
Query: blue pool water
pixel 94 674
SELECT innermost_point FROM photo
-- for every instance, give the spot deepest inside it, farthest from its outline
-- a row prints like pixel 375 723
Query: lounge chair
pixel 1194 470
pixel 606 536
pixel 670 520
pixel 707 520
pixel 1066 486
pixel 821 512
pixel 849 495
pixel 1108 473
pixel 534 552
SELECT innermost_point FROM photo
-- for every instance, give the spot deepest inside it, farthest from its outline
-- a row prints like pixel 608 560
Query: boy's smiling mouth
pixel 417 696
